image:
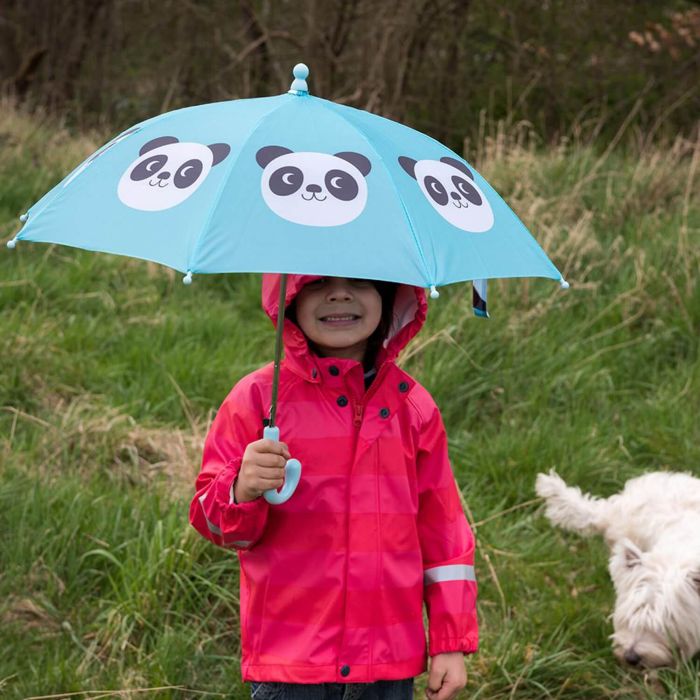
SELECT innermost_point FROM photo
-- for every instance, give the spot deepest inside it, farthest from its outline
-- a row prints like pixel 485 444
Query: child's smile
pixel 338 315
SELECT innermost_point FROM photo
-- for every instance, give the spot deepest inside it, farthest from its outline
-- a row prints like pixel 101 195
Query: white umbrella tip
pixel 12 243
pixel 24 217
pixel 563 283
pixel 187 279
pixel 300 73
pixel 434 294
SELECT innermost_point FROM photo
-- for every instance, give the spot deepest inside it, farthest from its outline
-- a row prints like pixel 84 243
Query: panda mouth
pixel 313 196
pixel 459 205
pixel 158 183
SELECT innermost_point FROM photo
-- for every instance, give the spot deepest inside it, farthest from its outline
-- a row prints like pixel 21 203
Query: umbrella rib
pixel 416 240
pixel 224 181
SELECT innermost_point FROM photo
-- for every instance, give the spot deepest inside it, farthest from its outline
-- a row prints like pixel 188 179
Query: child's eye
pixel 316 284
pixel 360 283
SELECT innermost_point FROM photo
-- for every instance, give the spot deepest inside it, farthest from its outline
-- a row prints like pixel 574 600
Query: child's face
pixel 339 314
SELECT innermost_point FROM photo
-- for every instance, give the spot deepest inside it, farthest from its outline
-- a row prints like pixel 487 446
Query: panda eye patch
pixel 341 185
pixel 286 180
pixel 465 188
pixel 436 190
pixel 188 173
pixel 148 167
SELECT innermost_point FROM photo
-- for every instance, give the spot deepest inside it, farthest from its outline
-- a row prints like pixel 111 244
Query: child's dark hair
pixel 387 292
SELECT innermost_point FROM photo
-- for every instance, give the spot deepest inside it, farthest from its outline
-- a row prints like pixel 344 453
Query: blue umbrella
pixel 289 184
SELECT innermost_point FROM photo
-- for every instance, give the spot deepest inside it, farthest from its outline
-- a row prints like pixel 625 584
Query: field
pixel 112 370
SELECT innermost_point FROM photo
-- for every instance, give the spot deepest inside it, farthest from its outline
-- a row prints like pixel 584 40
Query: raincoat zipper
pixel 359 409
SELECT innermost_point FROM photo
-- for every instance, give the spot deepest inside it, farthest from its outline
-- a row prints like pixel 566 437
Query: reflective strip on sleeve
pixel 216 531
pixel 212 528
pixel 451 572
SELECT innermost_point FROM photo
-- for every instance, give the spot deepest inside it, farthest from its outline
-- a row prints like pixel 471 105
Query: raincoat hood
pixel 409 313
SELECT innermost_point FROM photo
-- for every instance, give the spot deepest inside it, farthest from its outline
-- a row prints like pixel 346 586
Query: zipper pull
pixel 358 414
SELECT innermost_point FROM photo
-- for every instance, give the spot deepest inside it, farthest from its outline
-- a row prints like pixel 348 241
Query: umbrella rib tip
pixel 563 283
pixel 187 279
pixel 434 294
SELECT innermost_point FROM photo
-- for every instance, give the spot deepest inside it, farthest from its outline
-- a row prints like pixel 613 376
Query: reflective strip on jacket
pixel 332 582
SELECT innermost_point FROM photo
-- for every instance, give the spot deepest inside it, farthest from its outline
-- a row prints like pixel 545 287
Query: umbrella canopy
pixel 290 184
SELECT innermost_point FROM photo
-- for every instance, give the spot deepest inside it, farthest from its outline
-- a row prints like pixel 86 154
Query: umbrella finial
pixel 299 86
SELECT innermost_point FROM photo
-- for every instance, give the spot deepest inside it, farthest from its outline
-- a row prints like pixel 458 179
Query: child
pixel 332 582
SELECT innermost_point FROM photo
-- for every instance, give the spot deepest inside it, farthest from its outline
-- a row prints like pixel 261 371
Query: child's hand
pixel 447 676
pixel 262 469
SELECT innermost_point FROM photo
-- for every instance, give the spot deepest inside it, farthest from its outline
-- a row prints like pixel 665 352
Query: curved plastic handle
pixel 292 473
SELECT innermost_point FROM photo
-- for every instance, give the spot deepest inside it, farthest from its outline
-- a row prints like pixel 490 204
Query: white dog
pixel 653 530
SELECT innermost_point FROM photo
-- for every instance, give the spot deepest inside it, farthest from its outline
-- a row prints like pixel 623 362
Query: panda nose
pixel 455 195
pixel 313 188
pixel 164 175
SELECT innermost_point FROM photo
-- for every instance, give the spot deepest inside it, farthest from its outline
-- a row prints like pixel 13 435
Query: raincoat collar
pixel 410 310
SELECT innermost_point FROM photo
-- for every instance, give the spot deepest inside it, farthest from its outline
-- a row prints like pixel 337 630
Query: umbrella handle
pixel 292 472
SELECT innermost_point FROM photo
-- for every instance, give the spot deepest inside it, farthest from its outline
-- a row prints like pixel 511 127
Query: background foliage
pixel 448 67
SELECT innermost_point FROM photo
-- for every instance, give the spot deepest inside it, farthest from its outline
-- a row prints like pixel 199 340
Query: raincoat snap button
pixel 334 370
pixel 403 387
pixel 345 670
pixel 342 401
pixel 384 413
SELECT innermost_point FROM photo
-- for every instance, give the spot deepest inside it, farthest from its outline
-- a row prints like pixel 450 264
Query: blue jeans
pixel 379 690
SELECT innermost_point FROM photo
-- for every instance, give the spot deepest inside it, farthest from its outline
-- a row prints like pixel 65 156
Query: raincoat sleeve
pixel 213 511
pixel 447 546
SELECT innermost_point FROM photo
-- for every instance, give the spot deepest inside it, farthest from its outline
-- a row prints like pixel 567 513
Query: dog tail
pixel 567 507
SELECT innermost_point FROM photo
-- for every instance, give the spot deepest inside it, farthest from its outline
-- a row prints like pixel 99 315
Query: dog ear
pixel 632 553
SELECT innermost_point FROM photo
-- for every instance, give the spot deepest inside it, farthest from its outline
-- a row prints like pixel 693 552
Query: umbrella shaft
pixel 278 348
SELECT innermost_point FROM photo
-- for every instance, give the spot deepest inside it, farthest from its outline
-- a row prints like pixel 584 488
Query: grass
pixel 112 370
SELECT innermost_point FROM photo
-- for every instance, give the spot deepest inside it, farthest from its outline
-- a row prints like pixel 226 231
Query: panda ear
pixel 358 160
pixel 220 151
pixel 457 164
pixel 157 143
pixel 268 153
pixel 409 165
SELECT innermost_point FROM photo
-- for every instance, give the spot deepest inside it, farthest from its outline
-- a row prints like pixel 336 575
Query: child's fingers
pixel 271 446
pixel 271 475
pixel 270 459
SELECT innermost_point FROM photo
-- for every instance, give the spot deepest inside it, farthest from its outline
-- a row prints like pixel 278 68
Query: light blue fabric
pixel 225 223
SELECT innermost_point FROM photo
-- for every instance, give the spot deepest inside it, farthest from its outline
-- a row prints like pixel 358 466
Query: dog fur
pixel 653 531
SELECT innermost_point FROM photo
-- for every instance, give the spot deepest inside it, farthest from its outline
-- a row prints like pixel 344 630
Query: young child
pixel 332 582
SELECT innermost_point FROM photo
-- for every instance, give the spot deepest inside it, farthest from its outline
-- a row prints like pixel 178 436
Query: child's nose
pixel 338 291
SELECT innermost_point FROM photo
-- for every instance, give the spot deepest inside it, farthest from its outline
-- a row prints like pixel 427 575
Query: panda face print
pixel 167 172
pixel 314 189
pixel 449 186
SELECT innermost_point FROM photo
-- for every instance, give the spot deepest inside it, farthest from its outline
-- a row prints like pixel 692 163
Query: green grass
pixel 112 368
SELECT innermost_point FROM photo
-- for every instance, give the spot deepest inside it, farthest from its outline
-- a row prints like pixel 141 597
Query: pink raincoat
pixel 332 582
